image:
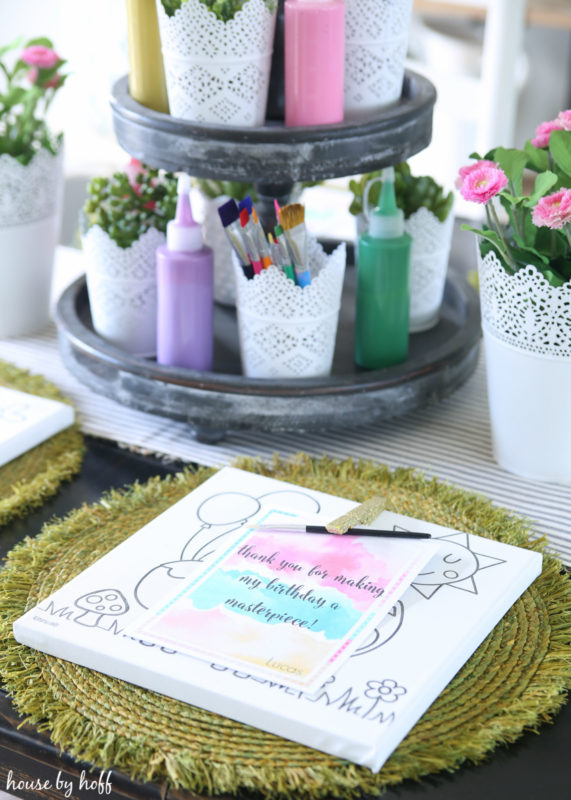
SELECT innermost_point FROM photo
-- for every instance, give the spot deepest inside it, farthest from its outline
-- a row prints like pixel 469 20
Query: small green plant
pixel 126 205
pixel 30 83
pixel 223 9
pixel 235 189
pixel 411 192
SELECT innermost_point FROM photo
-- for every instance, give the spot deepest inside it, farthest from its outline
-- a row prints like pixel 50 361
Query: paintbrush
pixel 292 219
pixel 250 237
pixel 285 262
pixel 230 219
pixel 261 239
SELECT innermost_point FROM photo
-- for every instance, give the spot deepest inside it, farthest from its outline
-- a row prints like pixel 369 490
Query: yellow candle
pixel 146 73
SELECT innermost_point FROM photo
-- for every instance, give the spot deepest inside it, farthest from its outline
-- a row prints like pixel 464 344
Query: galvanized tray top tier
pixel 273 154
pixel 214 402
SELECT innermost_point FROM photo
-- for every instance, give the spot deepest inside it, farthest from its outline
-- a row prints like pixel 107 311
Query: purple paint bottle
pixel 185 291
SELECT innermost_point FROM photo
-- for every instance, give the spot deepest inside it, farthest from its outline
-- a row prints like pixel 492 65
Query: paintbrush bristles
pixel 292 215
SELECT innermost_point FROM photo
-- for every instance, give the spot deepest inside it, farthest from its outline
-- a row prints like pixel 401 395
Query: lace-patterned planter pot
pixel 215 237
pixel 429 255
pixel 376 41
pixel 122 289
pixel 287 331
pixel 30 216
pixel 218 72
pixel 527 338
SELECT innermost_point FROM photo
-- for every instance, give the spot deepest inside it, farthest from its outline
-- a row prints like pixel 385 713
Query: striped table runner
pixel 450 440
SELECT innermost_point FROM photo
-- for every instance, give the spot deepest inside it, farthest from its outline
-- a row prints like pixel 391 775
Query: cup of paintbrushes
pixel 287 330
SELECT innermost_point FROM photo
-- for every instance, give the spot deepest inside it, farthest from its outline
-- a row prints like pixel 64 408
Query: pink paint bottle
pixel 314 61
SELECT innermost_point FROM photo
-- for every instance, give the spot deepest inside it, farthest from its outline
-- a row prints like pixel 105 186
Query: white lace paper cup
pixel 30 217
pixel 527 338
pixel 218 72
pixel 287 331
pixel 122 289
pixel 376 41
pixel 429 255
pixel 215 237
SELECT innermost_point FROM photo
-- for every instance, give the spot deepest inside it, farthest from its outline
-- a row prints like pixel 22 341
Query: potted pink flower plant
pixel 31 179
pixel 525 292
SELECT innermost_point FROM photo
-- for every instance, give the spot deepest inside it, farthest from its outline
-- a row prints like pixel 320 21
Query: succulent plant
pixel 126 208
pixel 411 192
pixel 223 9
pixel 235 189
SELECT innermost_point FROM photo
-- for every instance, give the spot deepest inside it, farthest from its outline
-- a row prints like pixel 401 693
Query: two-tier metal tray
pixel 214 402
pixel 274 157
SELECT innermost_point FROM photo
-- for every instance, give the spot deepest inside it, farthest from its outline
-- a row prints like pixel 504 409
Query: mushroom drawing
pixel 99 604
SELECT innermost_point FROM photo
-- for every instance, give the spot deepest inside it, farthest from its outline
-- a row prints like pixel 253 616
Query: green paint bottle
pixel 383 277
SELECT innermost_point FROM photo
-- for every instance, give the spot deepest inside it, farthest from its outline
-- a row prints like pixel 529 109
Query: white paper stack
pixel 365 709
pixel 26 420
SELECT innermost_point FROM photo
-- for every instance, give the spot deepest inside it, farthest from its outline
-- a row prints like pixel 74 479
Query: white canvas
pixel 362 712
pixel 26 420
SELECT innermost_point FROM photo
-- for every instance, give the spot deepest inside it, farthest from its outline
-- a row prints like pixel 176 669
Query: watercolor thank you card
pixel 26 420
pixel 287 605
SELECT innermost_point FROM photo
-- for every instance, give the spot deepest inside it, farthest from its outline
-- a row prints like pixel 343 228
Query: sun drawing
pixel 454 566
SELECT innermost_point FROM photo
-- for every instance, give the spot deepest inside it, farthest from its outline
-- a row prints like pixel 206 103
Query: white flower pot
pixel 218 72
pixel 122 288
pixel 215 237
pixel 30 217
pixel 376 40
pixel 527 337
pixel 429 255
pixel 289 331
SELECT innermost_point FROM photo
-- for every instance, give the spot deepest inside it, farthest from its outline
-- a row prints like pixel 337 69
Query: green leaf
pixel 560 149
pixel 524 255
pixel 543 183
pixel 553 277
pixel 508 199
pixel 14 96
pixel 17 43
pixel 538 159
pixel 488 234
pixel 512 162
pixel 41 40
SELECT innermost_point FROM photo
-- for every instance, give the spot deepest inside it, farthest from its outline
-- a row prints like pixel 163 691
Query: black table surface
pixel 533 768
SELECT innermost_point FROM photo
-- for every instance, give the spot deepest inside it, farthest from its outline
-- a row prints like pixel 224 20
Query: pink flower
pixel 543 132
pixel 553 211
pixel 39 56
pixel 564 117
pixel 463 171
pixel 53 82
pixel 483 183
pixel 133 169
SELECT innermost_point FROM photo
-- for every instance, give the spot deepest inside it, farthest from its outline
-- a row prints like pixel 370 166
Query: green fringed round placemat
pixel 515 680
pixel 28 481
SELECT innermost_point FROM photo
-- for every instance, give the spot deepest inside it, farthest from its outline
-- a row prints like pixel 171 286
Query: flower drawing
pixel 386 691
